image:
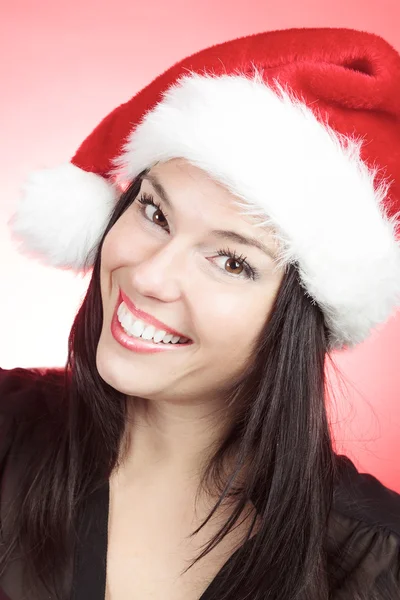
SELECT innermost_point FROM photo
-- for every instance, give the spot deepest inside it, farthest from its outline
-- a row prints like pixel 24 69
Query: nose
pixel 160 273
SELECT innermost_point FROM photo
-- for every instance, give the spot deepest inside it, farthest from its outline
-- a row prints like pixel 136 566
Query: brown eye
pixel 234 266
pixel 155 214
pixel 158 218
pixel 152 210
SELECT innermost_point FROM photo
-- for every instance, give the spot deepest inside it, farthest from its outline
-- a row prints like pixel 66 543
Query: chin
pixel 114 370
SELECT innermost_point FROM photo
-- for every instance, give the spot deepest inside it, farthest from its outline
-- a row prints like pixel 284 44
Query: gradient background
pixel 64 66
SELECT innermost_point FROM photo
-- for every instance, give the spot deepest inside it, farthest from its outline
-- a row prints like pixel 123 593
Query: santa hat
pixel 301 125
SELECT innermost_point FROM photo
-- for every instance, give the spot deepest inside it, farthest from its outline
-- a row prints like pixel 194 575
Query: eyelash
pixel 146 199
pixel 250 271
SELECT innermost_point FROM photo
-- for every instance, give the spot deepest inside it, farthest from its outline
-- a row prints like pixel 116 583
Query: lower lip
pixel 138 344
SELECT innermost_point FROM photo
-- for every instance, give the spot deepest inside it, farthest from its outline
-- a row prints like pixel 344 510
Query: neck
pixel 173 440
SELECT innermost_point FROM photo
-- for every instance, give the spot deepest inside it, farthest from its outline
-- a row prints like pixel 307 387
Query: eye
pixel 237 265
pixel 157 216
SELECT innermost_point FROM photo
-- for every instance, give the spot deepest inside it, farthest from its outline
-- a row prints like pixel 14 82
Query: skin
pixel 169 267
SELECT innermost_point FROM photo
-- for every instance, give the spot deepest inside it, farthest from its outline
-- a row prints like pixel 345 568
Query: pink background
pixel 64 66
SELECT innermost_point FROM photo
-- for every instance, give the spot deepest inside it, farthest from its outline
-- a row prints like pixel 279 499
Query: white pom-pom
pixel 61 215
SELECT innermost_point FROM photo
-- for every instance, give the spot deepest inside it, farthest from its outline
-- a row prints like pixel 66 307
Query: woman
pixel 239 230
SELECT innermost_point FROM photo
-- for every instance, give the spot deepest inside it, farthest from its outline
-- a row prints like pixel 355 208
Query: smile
pixel 141 329
pixel 138 331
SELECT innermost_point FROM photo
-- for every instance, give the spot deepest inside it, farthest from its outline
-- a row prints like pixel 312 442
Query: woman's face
pixel 176 264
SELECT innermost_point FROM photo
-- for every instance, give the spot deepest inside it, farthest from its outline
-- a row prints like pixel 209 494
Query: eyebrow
pixel 159 188
pixel 219 233
pixel 245 241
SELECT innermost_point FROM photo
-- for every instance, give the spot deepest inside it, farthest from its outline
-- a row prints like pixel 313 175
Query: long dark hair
pixel 281 435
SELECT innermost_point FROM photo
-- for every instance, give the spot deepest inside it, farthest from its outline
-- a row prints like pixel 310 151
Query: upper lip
pixel 140 314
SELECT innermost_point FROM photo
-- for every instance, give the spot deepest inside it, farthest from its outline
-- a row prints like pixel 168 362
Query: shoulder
pixel 29 401
pixel 26 392
pixel 364 533
pixel 363 497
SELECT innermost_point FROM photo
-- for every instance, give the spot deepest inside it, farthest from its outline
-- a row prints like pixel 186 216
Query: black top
pixel 364 524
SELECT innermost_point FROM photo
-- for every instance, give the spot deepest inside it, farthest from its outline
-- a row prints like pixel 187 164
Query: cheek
pixel 113 257
pixel 232 324
pixel 233 321
pixel 124 243
pixel 112 253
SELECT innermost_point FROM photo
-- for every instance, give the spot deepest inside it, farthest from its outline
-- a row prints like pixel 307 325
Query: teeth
pixel 137 328
pixel 158 336
pixel 148 332
pixel 127 320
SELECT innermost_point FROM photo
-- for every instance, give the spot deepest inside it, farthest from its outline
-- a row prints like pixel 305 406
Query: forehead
pixel 177 181
pixel 181 178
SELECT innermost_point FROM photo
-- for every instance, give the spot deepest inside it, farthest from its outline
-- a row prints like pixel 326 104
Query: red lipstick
pixel 135 344
pixel 140 314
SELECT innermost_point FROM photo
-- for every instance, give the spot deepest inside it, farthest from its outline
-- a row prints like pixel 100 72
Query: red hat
pixel 301 125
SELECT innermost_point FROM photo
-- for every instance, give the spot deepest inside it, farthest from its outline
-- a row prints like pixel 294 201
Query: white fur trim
pixel 291 171
pixel 61 215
